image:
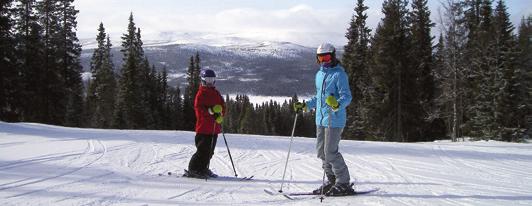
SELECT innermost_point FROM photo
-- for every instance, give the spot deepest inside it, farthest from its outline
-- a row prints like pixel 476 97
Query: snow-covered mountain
pixel 243 65
pixel 51 165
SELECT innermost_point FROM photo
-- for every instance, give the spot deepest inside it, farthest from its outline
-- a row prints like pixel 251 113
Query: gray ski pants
pixel 327 147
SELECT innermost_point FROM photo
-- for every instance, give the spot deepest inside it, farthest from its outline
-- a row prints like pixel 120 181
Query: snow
pixel 51 165
pixel 216 44
pixel 258 99
pixel 86 76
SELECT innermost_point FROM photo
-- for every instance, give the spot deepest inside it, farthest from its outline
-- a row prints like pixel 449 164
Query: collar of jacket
pixel 207 87
pixel 326 69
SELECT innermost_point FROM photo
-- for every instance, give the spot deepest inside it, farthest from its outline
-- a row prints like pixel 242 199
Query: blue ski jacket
pixel 331 81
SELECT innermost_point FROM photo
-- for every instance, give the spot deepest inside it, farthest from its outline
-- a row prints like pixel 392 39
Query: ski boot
pixel 210 174
pixel 341 189
pixel 325 187
pixel 195 174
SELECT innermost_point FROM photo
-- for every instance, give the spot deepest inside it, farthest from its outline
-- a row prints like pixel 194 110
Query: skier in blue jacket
pixel 331 99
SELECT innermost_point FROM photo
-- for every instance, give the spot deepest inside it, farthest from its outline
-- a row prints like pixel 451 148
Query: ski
pixel 294 194
pixel 234 178
pixel 350 194
pixel 278 193
pixel 221 178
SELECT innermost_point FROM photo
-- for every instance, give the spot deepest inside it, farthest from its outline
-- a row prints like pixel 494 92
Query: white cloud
pixel 307 23
pixel 301 23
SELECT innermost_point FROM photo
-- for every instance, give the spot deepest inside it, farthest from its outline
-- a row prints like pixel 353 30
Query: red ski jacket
pixel 206 98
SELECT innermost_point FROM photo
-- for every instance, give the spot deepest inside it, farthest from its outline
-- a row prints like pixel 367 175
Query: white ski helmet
pixel 325 48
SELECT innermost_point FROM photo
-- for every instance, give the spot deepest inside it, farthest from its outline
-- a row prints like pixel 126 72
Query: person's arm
pixel 344 92
pixel 311 103
pixel 199 104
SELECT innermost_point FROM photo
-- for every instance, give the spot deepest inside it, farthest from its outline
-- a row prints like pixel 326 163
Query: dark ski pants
pixel 205 144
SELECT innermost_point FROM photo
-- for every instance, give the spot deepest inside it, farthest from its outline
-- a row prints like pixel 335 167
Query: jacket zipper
pixel 323 85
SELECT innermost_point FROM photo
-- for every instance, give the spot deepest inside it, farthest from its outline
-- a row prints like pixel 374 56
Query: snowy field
pixel 49 165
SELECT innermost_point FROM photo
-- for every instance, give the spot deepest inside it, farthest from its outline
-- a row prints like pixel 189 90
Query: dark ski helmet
pixel 208 77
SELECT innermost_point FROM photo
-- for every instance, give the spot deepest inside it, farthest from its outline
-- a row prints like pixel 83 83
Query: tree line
pixel 41 79
pixel 474 80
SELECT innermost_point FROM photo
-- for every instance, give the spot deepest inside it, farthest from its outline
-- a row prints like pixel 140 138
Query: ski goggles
pixel 208 80
pixel 324 57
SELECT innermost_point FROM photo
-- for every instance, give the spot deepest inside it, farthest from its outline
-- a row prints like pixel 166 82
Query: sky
pixel 306 22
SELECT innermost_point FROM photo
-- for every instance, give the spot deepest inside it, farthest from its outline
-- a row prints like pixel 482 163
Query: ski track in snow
pixel 49 165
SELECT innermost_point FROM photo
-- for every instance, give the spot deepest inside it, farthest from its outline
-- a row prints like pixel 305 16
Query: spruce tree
pixel 175 106
pixel 9 81
pixel 523 75
pixel 130 105
pixel 190 94
pixel 484 77
pixel 69 51
pixel 398 114
pixel 422 62
pixel 102 90
pixel 163 100
pixel 53 97
pixel 355 60
pixel 507 74
pixel 28 35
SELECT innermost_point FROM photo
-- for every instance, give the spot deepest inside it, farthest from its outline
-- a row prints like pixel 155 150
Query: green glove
pixel 219 119
pixel 300 106
pixel 217 108
pixel 332 102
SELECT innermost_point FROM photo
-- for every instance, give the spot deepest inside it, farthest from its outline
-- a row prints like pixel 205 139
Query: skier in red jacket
pixel 209 107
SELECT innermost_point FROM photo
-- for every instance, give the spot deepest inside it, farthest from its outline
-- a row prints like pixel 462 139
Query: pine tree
pixel 164 101
pixel 442 112
pixel 53 97
pixel 28 35
pixel 483 76
pixel 28 51
pixel 69 63
pixel 506 91
pixel 190 94
pixel 355 60
pixel 175 106
pixel 523 75
pixel 398 113
pixel 149 98
pixel 130 105
pixel 422 61
pixel 9 81
pixel 102 90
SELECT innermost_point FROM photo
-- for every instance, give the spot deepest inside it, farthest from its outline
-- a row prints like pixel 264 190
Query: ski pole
pixel 228 151
pixel 324 141
pixel 288 156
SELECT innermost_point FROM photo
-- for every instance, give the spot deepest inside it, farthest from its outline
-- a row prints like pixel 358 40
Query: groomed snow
pixel 50 165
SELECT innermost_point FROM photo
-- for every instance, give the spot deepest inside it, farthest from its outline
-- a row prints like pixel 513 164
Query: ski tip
pixel 287 196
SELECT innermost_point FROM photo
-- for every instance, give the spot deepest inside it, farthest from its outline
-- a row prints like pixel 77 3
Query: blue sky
pixel 305 22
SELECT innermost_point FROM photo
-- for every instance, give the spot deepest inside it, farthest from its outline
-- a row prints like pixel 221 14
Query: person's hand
pixel 332 102
pixel 216 109
pixel 300 106
pixel 219 119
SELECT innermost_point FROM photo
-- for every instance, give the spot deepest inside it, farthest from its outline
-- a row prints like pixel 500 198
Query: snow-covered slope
pixel 49 165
